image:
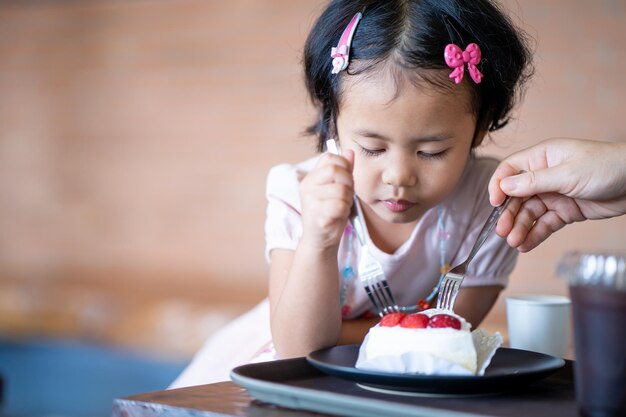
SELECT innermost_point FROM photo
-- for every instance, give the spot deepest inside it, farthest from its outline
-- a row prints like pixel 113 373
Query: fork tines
pixel 449 290
pixel 381 297
pixel 376 286
pixel 452 280
pixel 383 291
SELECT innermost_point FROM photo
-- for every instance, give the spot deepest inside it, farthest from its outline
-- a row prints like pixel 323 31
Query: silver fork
pixel 371 272
pixel 449 287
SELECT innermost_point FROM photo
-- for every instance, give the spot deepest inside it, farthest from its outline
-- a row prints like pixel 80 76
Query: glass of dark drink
pixel 597 284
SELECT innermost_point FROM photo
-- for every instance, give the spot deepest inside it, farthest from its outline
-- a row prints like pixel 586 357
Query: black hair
pixel 414 33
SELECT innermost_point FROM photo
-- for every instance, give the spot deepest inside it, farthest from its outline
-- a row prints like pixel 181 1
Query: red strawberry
pixel 415 321
pixel 444 320
pixel 390 320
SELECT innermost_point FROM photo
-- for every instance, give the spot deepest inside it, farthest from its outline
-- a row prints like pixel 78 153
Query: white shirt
pixel 414 268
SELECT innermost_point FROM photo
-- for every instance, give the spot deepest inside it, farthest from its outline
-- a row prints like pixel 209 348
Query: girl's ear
pixel 482 129
pixel 478 138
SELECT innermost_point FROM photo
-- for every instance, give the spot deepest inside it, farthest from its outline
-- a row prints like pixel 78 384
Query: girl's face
pixel 411 143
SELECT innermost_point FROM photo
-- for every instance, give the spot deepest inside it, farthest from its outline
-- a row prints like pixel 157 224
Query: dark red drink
pixel 599 315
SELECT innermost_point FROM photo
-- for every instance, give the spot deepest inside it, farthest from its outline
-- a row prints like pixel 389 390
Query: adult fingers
pixel 507 218
pixel 530 211
pixel 505 169
pixel 555 179
pixel 545 225
pixel 539 217
pixel 526 160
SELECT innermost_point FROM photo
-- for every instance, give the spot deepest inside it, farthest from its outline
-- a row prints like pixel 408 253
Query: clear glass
pixel 597 284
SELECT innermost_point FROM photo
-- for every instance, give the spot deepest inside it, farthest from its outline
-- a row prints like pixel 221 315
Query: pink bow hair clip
pixel 457 58
pixel 341 53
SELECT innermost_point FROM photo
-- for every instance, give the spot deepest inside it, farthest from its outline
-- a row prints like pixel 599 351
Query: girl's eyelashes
pixel 371 152
pixel 421 154
pixel 433 155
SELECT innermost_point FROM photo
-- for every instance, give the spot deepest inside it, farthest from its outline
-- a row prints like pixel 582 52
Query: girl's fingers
pixel 326 203
pixel 334 191
pixel 349 156
pixel 336 209
pixel 327 194
pixel 331 159
pixel 329 212
pixel 332 168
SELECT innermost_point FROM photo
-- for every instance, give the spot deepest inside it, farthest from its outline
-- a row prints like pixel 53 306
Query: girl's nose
pixel 399 172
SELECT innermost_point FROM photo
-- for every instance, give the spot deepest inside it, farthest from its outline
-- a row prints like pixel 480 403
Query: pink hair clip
pixel 341 53
pixel 457 58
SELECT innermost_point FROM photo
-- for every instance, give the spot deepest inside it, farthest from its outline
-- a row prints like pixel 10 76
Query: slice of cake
pixel 433 342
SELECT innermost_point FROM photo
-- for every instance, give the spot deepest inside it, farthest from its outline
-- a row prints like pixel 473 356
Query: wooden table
pixel 221 399
pixel 553 396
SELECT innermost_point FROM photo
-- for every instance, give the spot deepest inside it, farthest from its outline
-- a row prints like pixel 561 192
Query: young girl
pixel 408 88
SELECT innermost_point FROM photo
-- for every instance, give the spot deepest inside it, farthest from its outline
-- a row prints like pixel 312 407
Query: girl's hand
pixel 327 194
pixel 567 180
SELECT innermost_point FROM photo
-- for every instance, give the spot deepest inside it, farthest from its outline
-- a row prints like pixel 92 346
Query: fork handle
pixel 487 228
pixel 355 220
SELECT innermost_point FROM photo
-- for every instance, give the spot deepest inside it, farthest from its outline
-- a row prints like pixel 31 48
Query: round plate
pixel 509 369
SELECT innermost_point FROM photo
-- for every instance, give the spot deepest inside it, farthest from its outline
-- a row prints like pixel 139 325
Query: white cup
pixel 540 323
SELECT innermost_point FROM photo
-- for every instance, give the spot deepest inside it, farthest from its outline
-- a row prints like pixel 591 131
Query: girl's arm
pixel 304 286
pixel 302 340
pixel 304 307
pixel 473 303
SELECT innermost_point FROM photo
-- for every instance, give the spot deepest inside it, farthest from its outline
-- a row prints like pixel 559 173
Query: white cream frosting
pixel 435 351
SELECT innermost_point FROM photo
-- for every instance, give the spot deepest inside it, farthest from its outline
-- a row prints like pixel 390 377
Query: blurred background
pixel 135 139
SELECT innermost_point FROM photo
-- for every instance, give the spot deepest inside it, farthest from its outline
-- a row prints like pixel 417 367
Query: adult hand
pixel 565 181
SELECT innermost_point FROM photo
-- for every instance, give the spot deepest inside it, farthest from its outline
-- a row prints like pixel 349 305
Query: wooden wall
pixel 135 136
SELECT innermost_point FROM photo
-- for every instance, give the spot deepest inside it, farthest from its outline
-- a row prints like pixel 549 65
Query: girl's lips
pixel 398 206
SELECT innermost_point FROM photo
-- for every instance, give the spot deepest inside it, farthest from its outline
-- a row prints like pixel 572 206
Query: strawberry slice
pixel 390 320
pixel 415 321
pixel 444 320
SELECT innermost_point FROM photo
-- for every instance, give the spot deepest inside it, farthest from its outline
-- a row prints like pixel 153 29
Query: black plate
pixel 509 369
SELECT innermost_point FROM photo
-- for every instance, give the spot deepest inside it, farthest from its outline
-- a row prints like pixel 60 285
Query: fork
pixel 371 272
pixel 449 286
